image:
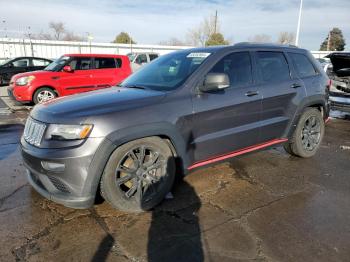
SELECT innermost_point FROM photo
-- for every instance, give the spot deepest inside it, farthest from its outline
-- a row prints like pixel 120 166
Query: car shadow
pixel 103 249
pixel 174 233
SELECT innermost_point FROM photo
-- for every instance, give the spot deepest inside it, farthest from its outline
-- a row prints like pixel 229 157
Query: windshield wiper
pixel 135 86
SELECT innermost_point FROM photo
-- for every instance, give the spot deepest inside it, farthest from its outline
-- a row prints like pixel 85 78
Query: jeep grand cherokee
pixel 182 111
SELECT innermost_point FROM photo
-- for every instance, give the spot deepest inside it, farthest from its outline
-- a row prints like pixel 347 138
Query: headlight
pixel 68 132
pixel 25 80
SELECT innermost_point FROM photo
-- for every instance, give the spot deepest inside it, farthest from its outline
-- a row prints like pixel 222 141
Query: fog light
pixel 54 167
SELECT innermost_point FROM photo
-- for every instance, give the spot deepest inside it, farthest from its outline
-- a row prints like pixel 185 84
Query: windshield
pixel 58 64
pixel 131 56
pixel 167 72
pixel 5 61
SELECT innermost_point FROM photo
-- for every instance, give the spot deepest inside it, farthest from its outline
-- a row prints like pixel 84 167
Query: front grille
pixel 58 184
pixel 33 132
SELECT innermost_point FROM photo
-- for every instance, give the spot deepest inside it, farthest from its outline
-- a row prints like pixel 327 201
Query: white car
pixel 137 60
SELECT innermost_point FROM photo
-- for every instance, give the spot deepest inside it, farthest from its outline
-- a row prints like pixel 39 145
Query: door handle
pixel 252 93
pixel 295 85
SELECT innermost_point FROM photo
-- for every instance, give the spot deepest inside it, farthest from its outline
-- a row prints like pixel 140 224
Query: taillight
pixel 329 84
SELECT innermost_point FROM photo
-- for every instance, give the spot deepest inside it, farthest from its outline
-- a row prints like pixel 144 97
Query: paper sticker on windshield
pixel 198 55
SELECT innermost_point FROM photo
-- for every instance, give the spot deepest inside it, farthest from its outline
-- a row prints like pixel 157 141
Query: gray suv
pixel 184 110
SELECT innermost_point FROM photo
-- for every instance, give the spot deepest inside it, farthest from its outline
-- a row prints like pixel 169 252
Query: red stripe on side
pixel 237 153
pixel 327 120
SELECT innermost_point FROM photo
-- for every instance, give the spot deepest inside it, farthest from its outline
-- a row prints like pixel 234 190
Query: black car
pixel 182 111
pixel 18 65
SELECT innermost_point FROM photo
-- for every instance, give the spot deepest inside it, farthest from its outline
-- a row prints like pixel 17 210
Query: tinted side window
pixel 152 56
pixel 273 66
pixel 303 65
pixel 237 66
pixel 40 62
pixel 80 63
pixel 21 62
pixel 141 58
pixel 103 63
pixel 119 62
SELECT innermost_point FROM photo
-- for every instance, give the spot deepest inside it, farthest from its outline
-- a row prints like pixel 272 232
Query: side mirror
pixel 215 82
pixel 68 69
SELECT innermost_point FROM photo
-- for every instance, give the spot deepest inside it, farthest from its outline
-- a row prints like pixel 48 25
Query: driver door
pixel 80 80
pixel 227 120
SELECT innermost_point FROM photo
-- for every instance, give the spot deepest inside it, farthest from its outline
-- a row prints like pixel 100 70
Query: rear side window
pixel 237 66
pixel 152 56
pixel 119 62
pixel 273 66
pixel 303 65
pixel 104 63
pixel 80 63
pixel 141 58
pixel 40 62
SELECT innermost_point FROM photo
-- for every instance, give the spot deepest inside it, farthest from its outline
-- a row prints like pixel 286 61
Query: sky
pixel 150 22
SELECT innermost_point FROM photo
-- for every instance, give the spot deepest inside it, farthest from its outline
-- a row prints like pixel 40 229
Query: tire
pixel 124 175
pixel 308 135
pixel 43 94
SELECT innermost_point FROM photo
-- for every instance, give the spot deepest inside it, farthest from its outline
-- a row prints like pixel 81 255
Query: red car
pixel 70 74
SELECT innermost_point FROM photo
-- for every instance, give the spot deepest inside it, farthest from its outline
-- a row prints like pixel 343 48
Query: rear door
pixel 107 72
pixel 227 120
pixel 80 80
pixel 307 72
pixel 281 92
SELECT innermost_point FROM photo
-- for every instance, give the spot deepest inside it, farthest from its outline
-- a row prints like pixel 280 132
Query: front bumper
pixel 74 187
pixel 19 93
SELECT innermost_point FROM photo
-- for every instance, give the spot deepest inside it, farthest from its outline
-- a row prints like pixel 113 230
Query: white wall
pixel 10 47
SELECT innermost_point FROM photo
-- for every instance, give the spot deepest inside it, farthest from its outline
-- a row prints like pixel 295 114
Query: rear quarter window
pixel 152 56
pixel 273 66
pixel 105 63
pixel 303 65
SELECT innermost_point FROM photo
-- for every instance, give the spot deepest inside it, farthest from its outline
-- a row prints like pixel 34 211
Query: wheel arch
pixel 45 86
pixel 165 131
pixel 319 103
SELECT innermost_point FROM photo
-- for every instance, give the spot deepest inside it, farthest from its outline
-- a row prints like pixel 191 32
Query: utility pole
pixel 299 21
pixel 215 21
pixel 329 41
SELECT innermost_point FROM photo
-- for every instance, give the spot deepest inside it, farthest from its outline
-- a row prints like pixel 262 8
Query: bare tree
pixel 260 38
pixel 70 36
pixel 199 35
pixel 286 38
pixel 173 42
pixel 58 29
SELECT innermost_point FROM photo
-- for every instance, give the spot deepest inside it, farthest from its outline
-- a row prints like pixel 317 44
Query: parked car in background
pixel 9 68
pixel 137 60
pixel 70 74
pixel 339 73
pixel 185 110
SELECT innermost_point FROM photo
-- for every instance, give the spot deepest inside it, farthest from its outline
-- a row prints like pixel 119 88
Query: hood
pixel 71 109
pixel 341 63
pixel 34 73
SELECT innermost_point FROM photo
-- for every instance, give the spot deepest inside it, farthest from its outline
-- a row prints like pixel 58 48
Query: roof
pixel 36 57
pixel 213 49
pixel 95 55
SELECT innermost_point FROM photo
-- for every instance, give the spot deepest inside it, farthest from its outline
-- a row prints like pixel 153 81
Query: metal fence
pixel 14 47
